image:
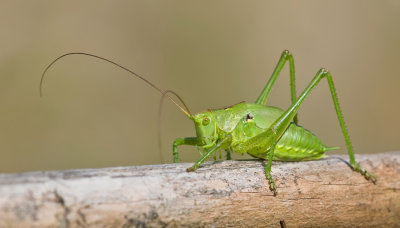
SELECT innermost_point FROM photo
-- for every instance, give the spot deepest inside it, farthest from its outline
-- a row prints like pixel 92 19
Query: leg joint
pixel 324 71
pixel 286 52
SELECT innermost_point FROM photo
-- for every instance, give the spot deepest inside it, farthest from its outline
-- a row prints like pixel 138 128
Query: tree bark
pixel 323 193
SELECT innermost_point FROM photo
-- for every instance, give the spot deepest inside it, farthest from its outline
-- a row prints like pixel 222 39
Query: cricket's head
pixel 205 128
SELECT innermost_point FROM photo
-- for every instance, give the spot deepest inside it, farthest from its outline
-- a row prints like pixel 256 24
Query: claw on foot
pixel 369 176
pixel 191 169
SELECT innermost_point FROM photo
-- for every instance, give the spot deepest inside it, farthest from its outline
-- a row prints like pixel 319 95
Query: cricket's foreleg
pixel 356 167
pixel 182 141
pixel 286 56
pixel 209 152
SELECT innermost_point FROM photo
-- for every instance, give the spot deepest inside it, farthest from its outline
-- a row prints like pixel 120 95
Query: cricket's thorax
pixel 246 120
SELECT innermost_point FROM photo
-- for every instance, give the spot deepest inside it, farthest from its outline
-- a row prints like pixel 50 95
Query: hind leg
pixel 286 56
pixel 263 144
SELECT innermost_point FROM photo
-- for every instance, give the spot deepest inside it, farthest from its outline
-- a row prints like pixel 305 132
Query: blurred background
pixel 212 53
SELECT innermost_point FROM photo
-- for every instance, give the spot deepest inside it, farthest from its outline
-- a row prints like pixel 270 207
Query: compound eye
pixel 206 121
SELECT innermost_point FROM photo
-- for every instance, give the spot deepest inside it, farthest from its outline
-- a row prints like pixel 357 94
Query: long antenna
pixel 186 110
pixel 164 94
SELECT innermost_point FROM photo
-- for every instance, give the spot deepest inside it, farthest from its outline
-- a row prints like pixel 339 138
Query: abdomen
pixel 298 144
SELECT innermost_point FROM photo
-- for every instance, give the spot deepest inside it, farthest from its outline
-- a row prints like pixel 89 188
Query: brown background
pixel 213 53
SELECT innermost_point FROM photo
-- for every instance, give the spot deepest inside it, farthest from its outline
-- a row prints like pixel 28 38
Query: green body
pixel 265 132
pixel 247 120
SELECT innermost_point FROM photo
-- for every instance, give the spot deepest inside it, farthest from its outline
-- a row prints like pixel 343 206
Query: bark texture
pixel 323 193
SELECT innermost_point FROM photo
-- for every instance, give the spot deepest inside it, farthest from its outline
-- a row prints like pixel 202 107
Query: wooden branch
pixel 324 193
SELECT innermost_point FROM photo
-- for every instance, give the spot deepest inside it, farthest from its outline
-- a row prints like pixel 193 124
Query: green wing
pixel 264 116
